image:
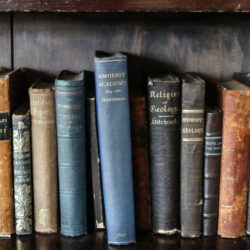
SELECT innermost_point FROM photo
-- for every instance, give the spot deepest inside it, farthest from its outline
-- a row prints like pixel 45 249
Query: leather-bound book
pixel 164 107
pixel 141 177
pixel 212 160
pixel 10 89
pixel 22 170
pixel 192 136
pixel 95 164
pixel 235 104
pixel 71 139
pixel 44 156
pixel 113 119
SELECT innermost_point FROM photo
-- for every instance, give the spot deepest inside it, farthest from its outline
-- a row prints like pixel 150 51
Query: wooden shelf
pixel 145 240
pixel 128 5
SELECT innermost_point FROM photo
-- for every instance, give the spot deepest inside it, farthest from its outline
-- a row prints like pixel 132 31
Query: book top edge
pixel 69 76
pixel 41 86
pixel 112 58
pixel 164 78
pixel 234 85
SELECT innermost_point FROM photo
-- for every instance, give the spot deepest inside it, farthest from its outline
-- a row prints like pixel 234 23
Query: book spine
pixel 22 174
pixel 234 164
pixel 164 105
pixel 70 118
pixel 6 186
pixel 95 166
pixel 192 132
pixel 139 137
pixel 44 157
pixel 212 160
pixel 115 147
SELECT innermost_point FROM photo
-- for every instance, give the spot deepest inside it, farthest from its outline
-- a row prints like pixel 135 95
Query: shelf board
pixel 128 5
pixel 98 241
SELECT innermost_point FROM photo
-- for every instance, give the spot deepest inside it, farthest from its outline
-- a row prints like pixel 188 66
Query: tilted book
pixel 22 170
pixel 235 103
pixel 192 137
pixel 112 103
pixel 164 109
pixel 44 156
pixel 95 164
pixel 10 89
pixel 71 139
pixel 140 157
pixel 212 162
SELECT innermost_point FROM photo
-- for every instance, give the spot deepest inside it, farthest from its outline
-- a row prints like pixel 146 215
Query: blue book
pixel 70 119
pixel 113 120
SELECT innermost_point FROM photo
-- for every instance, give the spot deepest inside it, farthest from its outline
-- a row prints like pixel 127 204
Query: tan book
pixel 235 104
pixel 44 156
pixel 10 94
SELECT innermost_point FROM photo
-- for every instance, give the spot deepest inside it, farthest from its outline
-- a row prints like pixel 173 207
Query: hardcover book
pixel 192 136
pixel 44 156
pixel 22 170
pixel 95 165
pixel 235 103
pixel 140 158
pixel 212 161
pixel 71 139
pixel 10 89
pixel 164 107
pixel 112 103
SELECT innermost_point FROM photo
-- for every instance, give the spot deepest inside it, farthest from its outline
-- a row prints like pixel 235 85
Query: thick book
pixel 22 170
pixel 10 89
pixel 112 105
pixel 164 109
pixel 140 158
pixel 212 161
pixel 192 137
pixel 235 103
pixel 44 156
pixel 71 139
pixel 95 165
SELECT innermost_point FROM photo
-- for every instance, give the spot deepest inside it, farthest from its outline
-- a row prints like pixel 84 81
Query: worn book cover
pixel 140 157
pixel 44 156
pixel 212 162
pixel 235 103
pixel 22 170
pixel 71 138
pixel 11 84
pixel 164 109
pixel 192 137
pixel 113 119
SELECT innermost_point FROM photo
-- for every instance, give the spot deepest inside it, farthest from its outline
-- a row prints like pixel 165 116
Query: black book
pixel 164 104
pixel 192 136
pixel 95 165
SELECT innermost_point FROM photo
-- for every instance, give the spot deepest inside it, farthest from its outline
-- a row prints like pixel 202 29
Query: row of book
pixel 155 164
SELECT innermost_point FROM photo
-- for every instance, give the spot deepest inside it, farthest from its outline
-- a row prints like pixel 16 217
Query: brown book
pixel 44 156
pixel 235 103
pixel 140 162
pixel 10 90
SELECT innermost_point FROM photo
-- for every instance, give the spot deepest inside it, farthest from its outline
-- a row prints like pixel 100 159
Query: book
pixel 192 137
pixel 112 106
pixel 212 161
pixel 243 78
pixel 164 109
pixel 71 139
pixel 44 156
pixel 22 170
pixel 10 97
pixel 235 103
pixel 140 159
pixel 95 165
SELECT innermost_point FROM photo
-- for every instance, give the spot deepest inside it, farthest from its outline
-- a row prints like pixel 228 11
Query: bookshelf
pixel 175 35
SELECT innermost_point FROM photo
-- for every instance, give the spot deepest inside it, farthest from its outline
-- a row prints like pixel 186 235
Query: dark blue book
pixel 113 120
pixel 22 170
pixel 70 118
